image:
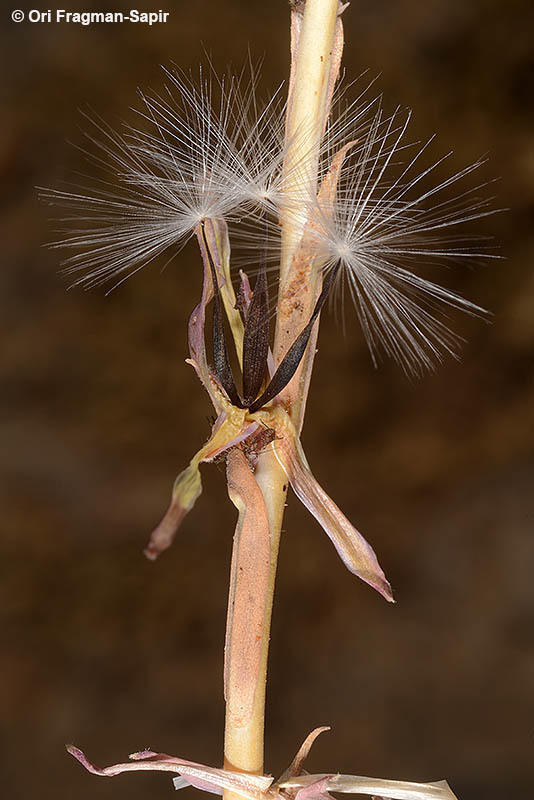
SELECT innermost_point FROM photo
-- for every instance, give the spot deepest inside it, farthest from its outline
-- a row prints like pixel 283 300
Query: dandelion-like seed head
pixel 388 220
pixel 191 158
pixel 341 250
pixel 208 148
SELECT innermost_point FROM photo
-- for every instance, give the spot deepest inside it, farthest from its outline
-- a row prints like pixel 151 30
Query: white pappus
pixel 194 158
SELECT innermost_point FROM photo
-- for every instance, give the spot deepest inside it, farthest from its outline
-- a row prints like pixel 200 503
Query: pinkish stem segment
pixel 248 608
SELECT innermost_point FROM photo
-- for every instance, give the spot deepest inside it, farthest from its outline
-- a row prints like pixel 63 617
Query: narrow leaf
pixel 211 779
pixel 186 491
pixel 297 765
pixel 357 784
pixel 355 552
pixel 188 485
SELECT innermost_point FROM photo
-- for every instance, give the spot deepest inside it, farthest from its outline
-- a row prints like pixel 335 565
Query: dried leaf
pixel 357 555
pixel 261 787
pixel 211 779
pixel 296 766
pixel 356 784
pixel 306 274
pixel 186 491
pixel 228 432
pixel 327 191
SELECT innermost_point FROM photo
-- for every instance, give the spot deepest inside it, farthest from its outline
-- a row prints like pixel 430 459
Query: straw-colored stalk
pixel 316 52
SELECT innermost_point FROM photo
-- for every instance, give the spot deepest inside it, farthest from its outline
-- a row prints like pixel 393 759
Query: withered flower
pixel 249 419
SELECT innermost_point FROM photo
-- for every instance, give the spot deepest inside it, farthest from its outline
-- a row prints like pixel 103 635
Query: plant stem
pixel 306 117
pixel 247 643
pixel 254 568
pixel 317 45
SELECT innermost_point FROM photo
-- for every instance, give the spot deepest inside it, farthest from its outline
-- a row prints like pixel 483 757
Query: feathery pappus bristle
pixel 208 148
pixel 389 217
pixel 190 159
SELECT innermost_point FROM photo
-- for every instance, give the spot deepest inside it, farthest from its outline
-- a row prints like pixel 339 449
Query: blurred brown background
pixel 99 413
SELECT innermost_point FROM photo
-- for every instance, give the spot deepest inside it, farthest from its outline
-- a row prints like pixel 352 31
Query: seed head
pixel 190 159
pixel 194 158
pixel 389 217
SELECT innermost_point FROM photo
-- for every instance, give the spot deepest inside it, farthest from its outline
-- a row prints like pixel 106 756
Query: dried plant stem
pixel 310 90
pixel 316 49
pixel 247 643
pixel 315 37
